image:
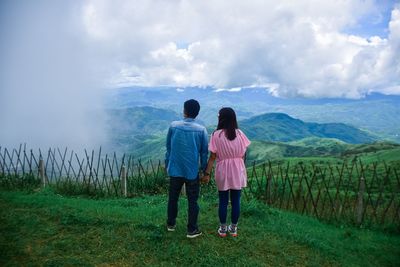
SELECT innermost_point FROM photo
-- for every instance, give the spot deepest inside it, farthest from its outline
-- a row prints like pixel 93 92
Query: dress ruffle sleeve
pixel 212 147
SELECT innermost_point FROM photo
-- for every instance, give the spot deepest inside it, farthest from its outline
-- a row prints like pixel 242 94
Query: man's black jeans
pixel 192 192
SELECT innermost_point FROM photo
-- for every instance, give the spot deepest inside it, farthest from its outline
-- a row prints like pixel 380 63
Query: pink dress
pixel 230 172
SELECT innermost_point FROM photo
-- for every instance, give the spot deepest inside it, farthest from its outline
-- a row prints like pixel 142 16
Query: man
pixel 187 142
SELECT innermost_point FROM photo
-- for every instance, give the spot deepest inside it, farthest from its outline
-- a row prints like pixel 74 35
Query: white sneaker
pixel 222 231
pixel 232 229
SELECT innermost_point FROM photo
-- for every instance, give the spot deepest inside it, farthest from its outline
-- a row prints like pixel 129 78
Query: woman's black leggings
pixel 223 205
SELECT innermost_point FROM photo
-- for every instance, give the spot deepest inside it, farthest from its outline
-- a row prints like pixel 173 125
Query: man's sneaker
pixel 194 234
pixel 232 229
pixel 171 228
pixel 222 231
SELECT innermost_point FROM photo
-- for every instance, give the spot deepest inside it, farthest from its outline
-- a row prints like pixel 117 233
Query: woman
pixel 228 146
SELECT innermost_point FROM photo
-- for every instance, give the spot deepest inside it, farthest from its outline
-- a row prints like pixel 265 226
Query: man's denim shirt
pixel 186 142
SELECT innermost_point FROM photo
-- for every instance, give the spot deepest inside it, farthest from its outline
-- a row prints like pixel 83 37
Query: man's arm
pixel 168 144
pixel 204 150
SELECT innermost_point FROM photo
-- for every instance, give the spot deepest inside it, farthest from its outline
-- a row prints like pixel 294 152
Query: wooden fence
pixel 93 173
pixel 347 192
pixel 354 192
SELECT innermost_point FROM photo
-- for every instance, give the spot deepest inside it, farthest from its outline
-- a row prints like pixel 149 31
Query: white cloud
pixel 235 89
pixel 298 46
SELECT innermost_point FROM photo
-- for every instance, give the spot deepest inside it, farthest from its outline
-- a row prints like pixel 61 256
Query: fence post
pixel 360 201
pixel 183 190
pixel 269 188
pixel 124 182
pixel 2 168
pixel 41 172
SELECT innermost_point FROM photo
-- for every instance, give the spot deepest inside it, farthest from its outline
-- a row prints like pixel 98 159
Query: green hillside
pixel 320 142
pixel 374 147
pixel 283 128
pixel 262 151
pixel 141 132
pixel 140 120
pixel 131 129
pixel 313 149
pixel 391 156
pixel 153 148
pixel 317 149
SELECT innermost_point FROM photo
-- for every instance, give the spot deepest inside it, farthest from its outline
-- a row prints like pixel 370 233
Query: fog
pixel 48 96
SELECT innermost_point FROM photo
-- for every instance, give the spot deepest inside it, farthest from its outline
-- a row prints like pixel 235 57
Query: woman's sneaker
pixel 222 231
pixel 232 229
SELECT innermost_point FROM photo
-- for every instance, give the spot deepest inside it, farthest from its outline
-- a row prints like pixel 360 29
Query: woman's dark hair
pixel 192 108
pixel 227 121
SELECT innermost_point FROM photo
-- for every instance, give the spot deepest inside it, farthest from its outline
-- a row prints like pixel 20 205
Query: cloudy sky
pixel 311 48
pixel 308 48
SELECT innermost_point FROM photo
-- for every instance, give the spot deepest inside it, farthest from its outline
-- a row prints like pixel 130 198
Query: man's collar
pixel 188 119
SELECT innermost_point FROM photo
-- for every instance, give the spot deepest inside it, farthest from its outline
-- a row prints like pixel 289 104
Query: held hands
pixel 206 173
pixel 205 178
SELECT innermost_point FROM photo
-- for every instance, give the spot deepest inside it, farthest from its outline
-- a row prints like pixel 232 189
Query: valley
pixel 141 131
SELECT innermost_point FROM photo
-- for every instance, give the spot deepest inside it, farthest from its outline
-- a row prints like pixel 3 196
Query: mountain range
pixel 141 131
pixel 138 119
pixel 374 113
pixel 283 128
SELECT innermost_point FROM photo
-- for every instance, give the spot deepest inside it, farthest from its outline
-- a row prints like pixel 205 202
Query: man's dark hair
pixel 191 108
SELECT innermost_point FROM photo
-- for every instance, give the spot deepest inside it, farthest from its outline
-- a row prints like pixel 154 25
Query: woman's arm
pixel 210 165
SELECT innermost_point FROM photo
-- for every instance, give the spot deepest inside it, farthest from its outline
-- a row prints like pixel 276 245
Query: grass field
pixel 46 229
